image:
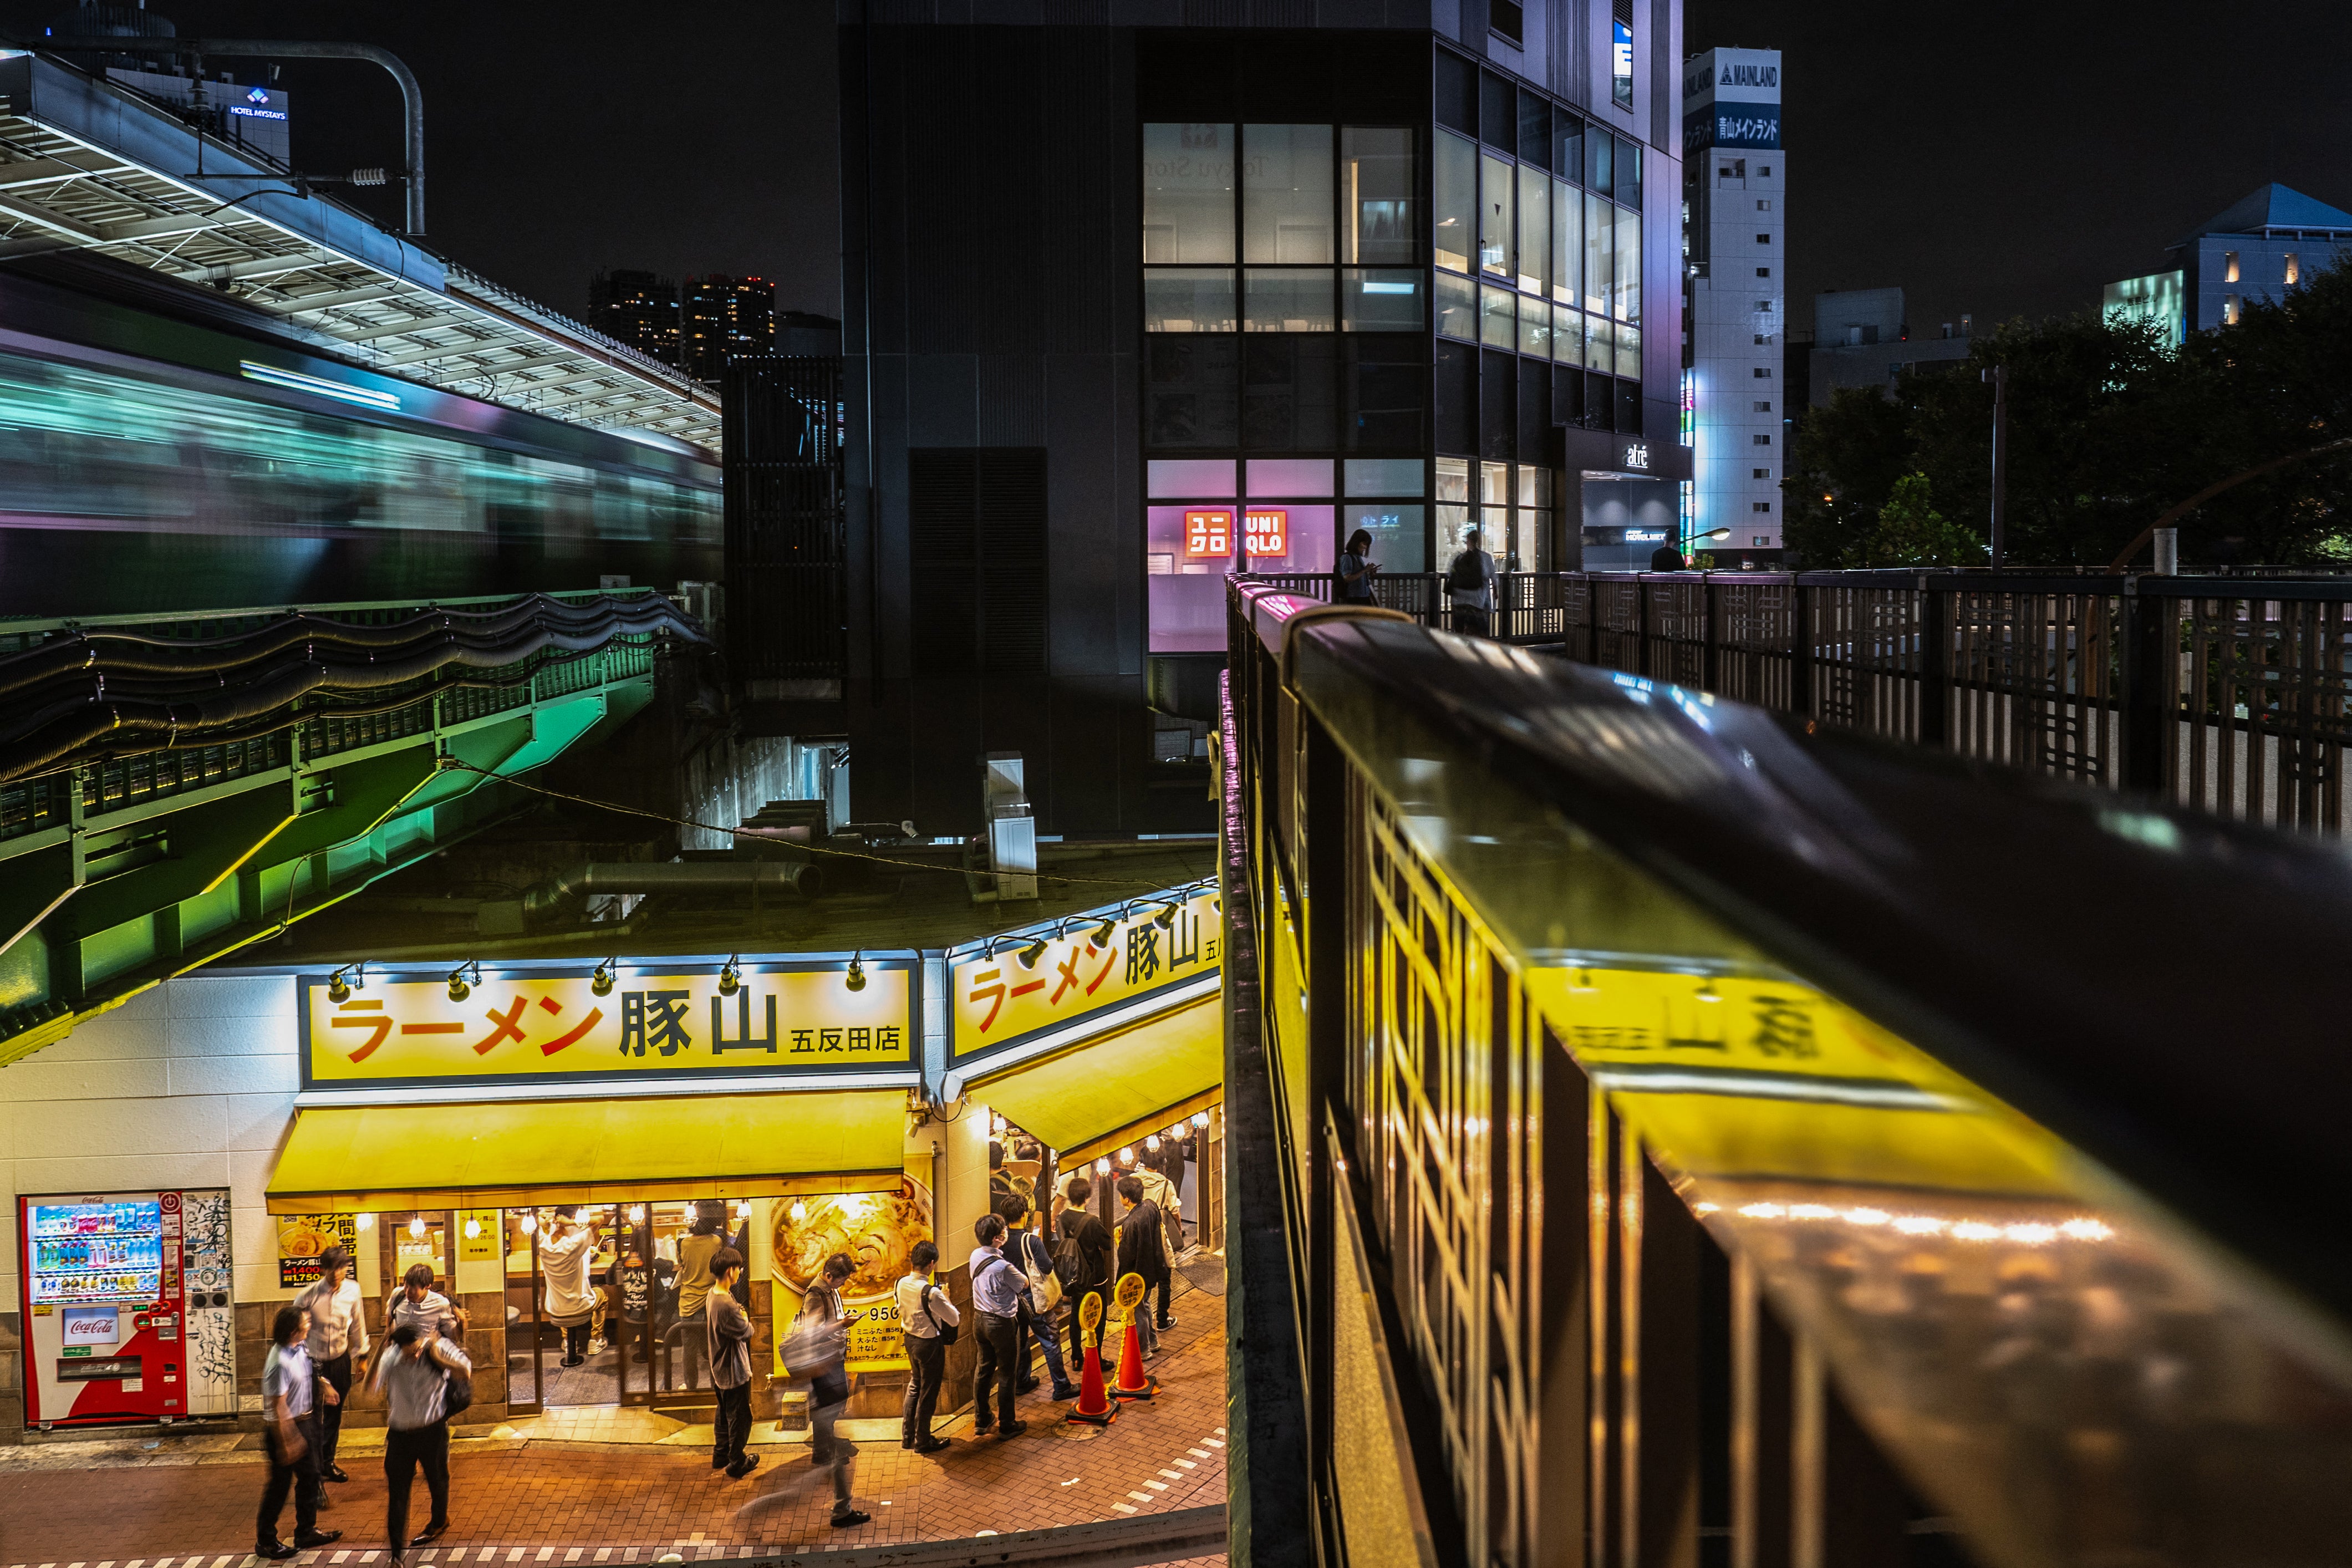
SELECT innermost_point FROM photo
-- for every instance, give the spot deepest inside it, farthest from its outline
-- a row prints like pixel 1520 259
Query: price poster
pixel 303 1237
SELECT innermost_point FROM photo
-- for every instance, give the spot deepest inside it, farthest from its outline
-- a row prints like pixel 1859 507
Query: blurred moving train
pixel 161 451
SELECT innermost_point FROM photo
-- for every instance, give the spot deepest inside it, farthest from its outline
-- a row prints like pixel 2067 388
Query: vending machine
pixel 126 1304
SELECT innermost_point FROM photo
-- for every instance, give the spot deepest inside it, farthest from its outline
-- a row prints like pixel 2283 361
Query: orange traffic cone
pixel 1094 1407
pixel 1132 1383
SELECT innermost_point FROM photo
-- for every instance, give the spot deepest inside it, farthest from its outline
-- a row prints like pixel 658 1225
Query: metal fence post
pixel 1640 625
pixel 2146 622
pixel 1935 663
pixel 1801 648
pixel 1711 639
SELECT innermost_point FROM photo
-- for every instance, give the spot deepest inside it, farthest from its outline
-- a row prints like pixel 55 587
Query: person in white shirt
pixel 923 1310
pixel 413 1376
pixel 338 1332
pixel 290 1392
pixel 416 1303
pixel 563 1259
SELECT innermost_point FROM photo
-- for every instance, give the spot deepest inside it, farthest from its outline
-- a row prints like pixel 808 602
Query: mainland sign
pixel 523 1026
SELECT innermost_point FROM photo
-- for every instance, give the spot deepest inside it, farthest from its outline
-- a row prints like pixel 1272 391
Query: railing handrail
pixel 27 627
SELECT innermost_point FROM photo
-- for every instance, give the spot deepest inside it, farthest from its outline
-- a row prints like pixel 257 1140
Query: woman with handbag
pixel 929 1320
pixel 1040 1298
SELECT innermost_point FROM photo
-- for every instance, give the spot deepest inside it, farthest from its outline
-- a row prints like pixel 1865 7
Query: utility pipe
pixel 548 901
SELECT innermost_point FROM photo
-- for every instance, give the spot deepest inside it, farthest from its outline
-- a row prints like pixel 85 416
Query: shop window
pixel 1454 382
pixel 1499 404
pixel 1599 253
pixel 1288 392
pixel 1397 530
pixel 1386 395
pixel 1567 242
pixel 1190 394
pixel 1457 307
pixel 1305 533
pixel 1455 515
pixel 1385 301
pixel 1305 477
pixel 1497 217
pixel 1188 299
pixel 1287 193
pixel 1377 175
pixel 1499 318
pixel 1184 591
pixel 1188 193
pixel 1176 479
pixel 1625 291
pixel 1535 230
pixel 1384 477
pixel 1287 300
pixel 1455 180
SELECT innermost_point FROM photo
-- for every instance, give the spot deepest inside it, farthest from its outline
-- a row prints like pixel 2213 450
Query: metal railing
pixel 2230 694
pixel 1669 1135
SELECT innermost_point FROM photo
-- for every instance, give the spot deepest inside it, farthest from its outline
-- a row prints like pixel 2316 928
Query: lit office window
pixel 1626 289
pixel 1188 193
pixel 1535 328
pixel 1499 318
pixel 1600 344
pixel 1457 309
pixel 1381 300
pixel 2229 267
pixel 1287 193
pixel 1497 217
pixel 1535 229
pixel 1188 299
pixel 1455 516
pixel 1456 192
pixel 1599 253
pixel 1566 335
pixel 1376 174
pixel 2294 270
pixel 1567 242
pixel 2229 309
pixel 1280 301
pixel 1629 351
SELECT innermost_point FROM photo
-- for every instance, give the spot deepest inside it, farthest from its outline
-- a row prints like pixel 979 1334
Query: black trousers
pixel 300 1477
pixel 732 1427
pixel 338 1372
pixel 1000 1347
pixel 1470 620
pixel 927 1369
pixel 404 1448
pixel 828 1396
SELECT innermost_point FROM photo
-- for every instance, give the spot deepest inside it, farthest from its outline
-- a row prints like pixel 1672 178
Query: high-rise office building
pixel 1735 289
pixel 720 317
pixel 1215 296
pixel 638 308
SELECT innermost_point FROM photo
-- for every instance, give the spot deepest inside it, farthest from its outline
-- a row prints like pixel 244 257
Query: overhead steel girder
pixel 121 897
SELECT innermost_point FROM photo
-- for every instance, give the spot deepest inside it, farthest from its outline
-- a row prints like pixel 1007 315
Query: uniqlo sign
pixel 1208 532
pixel 1267 531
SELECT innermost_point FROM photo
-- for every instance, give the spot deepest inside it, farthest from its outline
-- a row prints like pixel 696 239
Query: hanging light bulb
pixel 636 1214
pixel 473 1227
pixel 1102 1167
pixel 367 1222
pixel 996 1121
pixel 416 1226
pixel 743 1208
pixel 1127 1156
pixel 1151 1143
pixel 1201 1119
pixel 528 1224
pixel 800 1210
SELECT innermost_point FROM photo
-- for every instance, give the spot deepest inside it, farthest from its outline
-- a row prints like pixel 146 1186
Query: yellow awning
pixel 375 1158
pixel 1111 1090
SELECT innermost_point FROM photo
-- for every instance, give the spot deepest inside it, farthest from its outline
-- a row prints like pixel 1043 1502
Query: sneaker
pixel 742 1467
pixel 1012 1429
pixel 306 1539
pixel 273 1551
pixel 933 1445
pixel 846 1520
pixel 1064 1391
pixel 1166 1324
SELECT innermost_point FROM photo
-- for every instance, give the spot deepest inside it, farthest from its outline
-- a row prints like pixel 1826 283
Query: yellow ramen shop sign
pixel 1021 989
pixel 520 1025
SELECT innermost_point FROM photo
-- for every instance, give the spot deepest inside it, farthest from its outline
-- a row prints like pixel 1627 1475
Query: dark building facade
pixel 639 308
pixel 1140 293
pixel 722 318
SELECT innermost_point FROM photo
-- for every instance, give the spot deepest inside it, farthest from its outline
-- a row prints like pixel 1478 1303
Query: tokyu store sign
pixel 577 1026
pixel 1027 984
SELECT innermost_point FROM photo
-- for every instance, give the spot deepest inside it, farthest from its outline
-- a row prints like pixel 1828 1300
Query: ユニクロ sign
pixel 519 1026
pixel 1032 984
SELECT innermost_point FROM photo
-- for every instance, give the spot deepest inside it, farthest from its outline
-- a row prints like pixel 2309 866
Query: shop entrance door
pixel 609 1331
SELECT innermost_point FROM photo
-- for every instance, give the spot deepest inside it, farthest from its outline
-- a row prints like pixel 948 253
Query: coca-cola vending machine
pixel 126 1304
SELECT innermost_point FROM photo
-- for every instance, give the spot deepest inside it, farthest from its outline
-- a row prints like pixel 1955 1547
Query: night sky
pixel 1998 159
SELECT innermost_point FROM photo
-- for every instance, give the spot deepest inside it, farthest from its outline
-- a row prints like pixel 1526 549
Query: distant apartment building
pixel 638 308
pixel 720 317
pixel 2253 253
pixel 1862 337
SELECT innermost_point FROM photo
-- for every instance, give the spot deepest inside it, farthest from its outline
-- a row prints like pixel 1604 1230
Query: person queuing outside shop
pixel 1041 1296
pixel 416 1303
pixel 1470 583
pixel 996 1290
pixel 728 1337
pixel 929 1320
pixel 1159 1196
pixel 823 1322
pixel 1083 1255
pixel 1143 1250
pixel 338 1332
pixel 563 1259
pixel 291 1390
pixel 416 1375
pixel 695 1252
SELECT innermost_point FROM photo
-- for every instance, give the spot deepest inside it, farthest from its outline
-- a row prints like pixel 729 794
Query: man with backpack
pixel 424 1379
pixel 1083 1257
pixel 1470 583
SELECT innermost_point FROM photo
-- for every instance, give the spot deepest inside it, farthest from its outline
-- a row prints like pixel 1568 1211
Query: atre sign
pixel 1636 456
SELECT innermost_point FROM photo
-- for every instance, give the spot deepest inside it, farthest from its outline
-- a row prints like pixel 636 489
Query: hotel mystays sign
pixel 522 1025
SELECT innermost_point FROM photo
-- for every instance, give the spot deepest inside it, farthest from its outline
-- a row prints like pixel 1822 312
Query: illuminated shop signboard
pixel 669 1020
pixel 1208 532
pixel 1266 531
pixel 1032 982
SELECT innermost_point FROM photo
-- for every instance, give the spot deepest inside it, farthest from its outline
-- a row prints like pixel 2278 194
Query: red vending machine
pixel 126 1308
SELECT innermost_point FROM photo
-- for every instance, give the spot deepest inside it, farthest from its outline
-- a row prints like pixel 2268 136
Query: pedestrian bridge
pixel 1664 1133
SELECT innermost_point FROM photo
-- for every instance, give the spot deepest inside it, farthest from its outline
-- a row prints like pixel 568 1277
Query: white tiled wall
pixel 189 1084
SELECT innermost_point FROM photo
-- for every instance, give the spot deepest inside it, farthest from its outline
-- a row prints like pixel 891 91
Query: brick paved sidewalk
pixel 575 1505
